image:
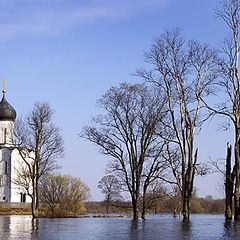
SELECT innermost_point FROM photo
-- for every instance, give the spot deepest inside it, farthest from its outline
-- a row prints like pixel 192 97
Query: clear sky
pixel 69 52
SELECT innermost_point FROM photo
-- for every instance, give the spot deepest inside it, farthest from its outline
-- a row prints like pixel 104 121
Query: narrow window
pixel 24 197
pixel 2 132
pixel 6 168
pixel 5 135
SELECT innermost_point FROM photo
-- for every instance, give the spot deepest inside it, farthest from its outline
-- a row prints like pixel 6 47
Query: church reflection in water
pixel 18 227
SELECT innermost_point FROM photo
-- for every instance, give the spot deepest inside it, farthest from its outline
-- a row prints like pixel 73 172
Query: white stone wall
pixel 5 174
pixel 17 165
pixel 10 163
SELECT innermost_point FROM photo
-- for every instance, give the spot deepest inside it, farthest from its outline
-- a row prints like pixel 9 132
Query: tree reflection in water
pixel 134 229
pixel 231 230
pixel 155 227
pixel 35 223
pixel 186 229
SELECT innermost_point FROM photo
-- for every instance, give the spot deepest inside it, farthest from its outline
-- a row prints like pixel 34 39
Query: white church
pixel 9 156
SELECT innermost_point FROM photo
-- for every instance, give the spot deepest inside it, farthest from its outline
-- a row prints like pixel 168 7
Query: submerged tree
pixel 39 144
pixel 230 82
pixel 128 132
pixel 184 71
pixel 228 104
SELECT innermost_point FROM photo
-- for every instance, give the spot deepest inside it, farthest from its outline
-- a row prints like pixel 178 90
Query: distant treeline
pixel 165 205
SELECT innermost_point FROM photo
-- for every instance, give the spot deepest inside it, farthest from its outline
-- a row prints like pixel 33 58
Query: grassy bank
pixel 119 208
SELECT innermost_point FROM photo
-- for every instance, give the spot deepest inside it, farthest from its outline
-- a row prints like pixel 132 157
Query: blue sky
pixel 69 52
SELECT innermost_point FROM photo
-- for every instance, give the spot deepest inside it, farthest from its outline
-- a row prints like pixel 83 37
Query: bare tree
pixel 184 71
pixel 39 144
pixel 228 103
pixel 111 188
pixel 229 13
pixel 63 191
pixel 226 184
pixel 128 133
pixel 156 191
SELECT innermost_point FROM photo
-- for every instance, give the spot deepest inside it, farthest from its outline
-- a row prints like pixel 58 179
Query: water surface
pixel 153 228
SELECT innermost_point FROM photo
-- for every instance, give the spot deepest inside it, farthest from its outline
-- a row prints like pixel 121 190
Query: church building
pixel 9 156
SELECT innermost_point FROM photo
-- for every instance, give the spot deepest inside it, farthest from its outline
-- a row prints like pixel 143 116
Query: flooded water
pixel 153 228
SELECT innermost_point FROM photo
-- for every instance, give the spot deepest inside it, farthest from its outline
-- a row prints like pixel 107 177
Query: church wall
pixel 17 164
pixel 5 174
pixel 6 132
pixel 10 159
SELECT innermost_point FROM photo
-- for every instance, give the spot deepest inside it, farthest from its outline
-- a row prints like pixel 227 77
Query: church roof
pixel 7 112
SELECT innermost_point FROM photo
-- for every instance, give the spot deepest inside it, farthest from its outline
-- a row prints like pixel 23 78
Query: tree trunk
pixel 33 208
pixel 135 205
pixel 186 205
pixel 108 204
pixel 155 205
pixel 187 193
pixel 188 183
pixel 144 207
pixel 37 199
pixel 36 175
pixel 33 203
pixel 34 194
pixel 237 183
pixel 228 185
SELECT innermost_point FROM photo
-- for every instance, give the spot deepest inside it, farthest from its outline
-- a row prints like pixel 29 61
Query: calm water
pixel 154 227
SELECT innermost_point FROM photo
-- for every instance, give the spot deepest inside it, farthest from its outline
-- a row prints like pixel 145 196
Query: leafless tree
pixel 155 191
pixel 184 71
pixel 226 184
pixel 111 188
pixel 228 103
pixel 39 144
pixel 128 133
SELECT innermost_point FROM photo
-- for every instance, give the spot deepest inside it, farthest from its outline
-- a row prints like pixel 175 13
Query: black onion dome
pixel 7 112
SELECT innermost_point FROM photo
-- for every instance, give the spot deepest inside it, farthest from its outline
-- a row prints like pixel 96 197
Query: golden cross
pixel 4 86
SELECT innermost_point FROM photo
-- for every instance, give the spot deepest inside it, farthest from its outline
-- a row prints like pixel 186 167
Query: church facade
pixel 10 159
